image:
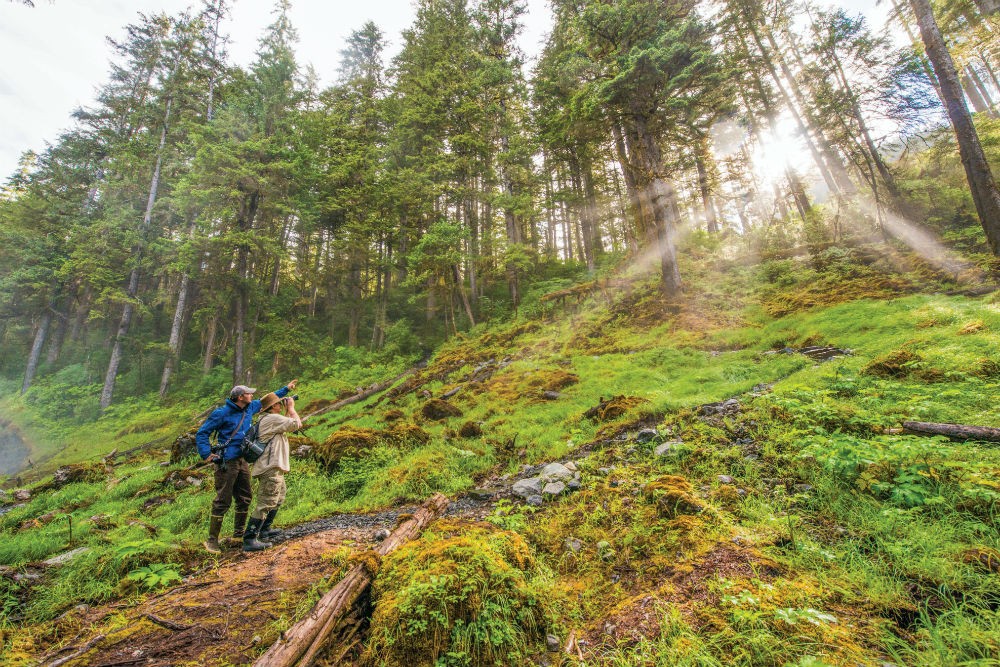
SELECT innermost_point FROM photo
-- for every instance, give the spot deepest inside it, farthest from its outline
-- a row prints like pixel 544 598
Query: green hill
pixel 795 524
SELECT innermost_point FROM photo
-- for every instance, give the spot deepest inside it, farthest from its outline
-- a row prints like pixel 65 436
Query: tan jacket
pixel 274 427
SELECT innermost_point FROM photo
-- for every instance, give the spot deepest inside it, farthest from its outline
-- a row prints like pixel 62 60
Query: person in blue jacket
pixel 229 423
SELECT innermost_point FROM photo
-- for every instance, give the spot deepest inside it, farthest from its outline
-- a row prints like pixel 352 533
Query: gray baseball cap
pixel 241 389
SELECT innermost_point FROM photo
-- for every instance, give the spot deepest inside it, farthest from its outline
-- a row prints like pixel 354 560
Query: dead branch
pixel 76 654
pixel 169 625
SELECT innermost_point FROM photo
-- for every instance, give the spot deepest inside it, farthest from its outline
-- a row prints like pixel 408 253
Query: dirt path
pixel 223 616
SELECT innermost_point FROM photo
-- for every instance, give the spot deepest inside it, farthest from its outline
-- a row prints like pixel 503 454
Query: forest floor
pixel 744 493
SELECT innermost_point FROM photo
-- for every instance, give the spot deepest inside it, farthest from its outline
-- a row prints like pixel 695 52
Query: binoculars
pixel 294 397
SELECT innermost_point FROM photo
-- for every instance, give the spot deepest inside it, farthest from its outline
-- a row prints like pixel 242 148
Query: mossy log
pixel 301 644
pixel 367 392
pixel 953 431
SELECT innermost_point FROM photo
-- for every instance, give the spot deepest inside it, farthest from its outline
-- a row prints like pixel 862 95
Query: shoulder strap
pixel 235 430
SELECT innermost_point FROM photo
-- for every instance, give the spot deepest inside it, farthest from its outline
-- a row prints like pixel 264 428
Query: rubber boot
pixel 239 524
pixel 250 541
pixel 214 528
pixel 266 532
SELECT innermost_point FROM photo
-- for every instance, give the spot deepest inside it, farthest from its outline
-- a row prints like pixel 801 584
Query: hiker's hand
pixel 213 457
pixel 291 385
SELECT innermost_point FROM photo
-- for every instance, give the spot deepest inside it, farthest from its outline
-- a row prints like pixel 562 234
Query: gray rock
pixel 551 643
pixel 742 493
pixel 528 487
pixel 664 448
pixel 481 494
pixel 534 500
pixel 551 395
pixel 605 471
pixel 570 466
pixel 193 481
pixel 556 472
pixel 646 434
pixel 803 488
pixel 66 557
pixel 573 544
pixel 574 485
pixel 22 495
pixel 725 479
pixel 382 534
pixel 553 489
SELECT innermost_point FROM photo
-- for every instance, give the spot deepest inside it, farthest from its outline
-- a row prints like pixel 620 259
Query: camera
pixel 294 397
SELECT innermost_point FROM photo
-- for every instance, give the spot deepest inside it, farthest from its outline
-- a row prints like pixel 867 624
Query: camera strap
pixel 233 434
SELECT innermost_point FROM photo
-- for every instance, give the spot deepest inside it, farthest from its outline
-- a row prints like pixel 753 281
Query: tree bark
pixel 300 645
pixel 977 170
pixel 175 334
pixel 36 349
pixel 247 214
pixel 953 431
pixel 701 161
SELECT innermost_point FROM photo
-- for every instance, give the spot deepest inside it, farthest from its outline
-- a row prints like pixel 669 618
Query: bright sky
pixel 53 57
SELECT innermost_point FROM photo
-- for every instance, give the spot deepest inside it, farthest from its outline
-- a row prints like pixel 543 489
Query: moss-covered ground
pixel 798 527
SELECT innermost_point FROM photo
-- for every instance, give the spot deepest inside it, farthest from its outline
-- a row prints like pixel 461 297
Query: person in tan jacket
pixel 269 470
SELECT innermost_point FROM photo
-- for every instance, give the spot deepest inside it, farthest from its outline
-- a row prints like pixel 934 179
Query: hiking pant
pixel 270 492
pixel 232 483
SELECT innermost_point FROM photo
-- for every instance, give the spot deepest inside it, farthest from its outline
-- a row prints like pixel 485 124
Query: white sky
pixel 53 57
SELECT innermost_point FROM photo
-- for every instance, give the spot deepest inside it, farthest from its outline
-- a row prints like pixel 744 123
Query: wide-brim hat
pixel 269 400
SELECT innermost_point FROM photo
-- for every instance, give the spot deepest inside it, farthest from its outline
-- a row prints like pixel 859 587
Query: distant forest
pixel 205 223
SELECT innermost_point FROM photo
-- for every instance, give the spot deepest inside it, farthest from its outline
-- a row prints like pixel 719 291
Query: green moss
pixel 464 593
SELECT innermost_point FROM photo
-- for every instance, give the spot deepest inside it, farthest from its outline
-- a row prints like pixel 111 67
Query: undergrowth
pixel 798 528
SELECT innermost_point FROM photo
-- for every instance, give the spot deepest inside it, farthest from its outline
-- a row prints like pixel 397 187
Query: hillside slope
pixel 738 501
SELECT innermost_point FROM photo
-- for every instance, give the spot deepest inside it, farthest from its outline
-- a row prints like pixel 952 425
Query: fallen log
pixel 953 431
pixel 360 396
pixel 300 645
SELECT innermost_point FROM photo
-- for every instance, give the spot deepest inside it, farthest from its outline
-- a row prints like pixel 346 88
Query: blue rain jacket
pixel 225 423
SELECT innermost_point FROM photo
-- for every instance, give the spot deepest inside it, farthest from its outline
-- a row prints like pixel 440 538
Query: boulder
pixel 528 487
pixel 646 435
pixel 556 472
pixel 534 500
pixel 22 495
pixel 664 448
pixel 553 489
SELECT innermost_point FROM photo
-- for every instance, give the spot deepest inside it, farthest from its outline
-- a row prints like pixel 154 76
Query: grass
pixel 830 514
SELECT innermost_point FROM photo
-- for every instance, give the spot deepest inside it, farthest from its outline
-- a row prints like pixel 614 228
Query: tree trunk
pixel 977 169
pixel 175 334
pixel 701 161
pixel 972 92
pixel 465 299
pixel 57 337
pixel 36 349
pixel 247 214
pixel 208 360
